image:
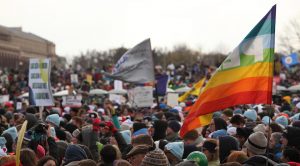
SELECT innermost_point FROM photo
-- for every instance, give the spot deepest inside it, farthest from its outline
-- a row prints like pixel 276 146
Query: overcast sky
pixel 77 25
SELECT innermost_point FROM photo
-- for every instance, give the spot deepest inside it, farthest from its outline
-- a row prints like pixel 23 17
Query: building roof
pixel 17 31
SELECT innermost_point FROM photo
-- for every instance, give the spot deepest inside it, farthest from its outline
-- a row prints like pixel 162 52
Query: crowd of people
pixel 108 133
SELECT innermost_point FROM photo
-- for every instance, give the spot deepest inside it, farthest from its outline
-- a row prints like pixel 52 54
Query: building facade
pixel 16 47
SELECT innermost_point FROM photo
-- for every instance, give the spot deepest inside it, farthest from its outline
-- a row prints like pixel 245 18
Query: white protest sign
pixel 141 96
pixel 74 78
pixel 19 106
pixel 39 82
pixel 118 85
pixel 4 98
pixel 172 99
pixel 72 101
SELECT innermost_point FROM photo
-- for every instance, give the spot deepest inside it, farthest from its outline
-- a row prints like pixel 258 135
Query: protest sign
pixel 172 99
pixel 74 78
pixel 72 101
pixel 4 98
pixel 141 96
pixel 39 82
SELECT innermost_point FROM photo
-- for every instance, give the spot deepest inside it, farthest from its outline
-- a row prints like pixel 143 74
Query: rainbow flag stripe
pixel 245 77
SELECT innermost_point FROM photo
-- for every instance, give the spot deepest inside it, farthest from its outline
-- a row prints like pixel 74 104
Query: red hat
pixel 110 126
pixel 8 104
pixel 96 124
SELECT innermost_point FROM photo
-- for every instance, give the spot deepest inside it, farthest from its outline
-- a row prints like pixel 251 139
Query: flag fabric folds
pixel 194 91
pixel 245 76
pixel 290 60
pixel 136 65
pixel 161 85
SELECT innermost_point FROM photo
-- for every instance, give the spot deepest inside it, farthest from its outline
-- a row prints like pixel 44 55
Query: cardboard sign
pixel 141 96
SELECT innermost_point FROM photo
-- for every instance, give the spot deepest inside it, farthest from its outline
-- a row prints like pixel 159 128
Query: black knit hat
pixel 244 132
pixel 137 126
pixel 174 125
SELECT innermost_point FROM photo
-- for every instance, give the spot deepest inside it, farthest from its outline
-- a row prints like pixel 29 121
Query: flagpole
pixel 156 95
pixel 268 135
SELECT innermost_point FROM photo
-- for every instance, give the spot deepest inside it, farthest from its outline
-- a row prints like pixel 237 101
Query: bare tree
pixel 289 42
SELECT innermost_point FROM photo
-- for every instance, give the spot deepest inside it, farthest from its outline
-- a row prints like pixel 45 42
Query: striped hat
pixel 155 158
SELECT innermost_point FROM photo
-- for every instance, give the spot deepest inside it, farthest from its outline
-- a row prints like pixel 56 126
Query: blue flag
pixel 290 60
pixel 161 85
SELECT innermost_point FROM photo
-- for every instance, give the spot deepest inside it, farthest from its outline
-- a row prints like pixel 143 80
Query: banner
pixel 136 65
pixel 39 82
pixel 72 101
pixel 141 96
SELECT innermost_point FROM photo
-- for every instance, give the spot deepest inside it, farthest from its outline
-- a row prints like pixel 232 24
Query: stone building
pixel 16 47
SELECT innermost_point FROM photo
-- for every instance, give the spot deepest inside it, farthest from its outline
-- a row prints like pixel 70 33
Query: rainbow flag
pixel 245 77
pixel 194 91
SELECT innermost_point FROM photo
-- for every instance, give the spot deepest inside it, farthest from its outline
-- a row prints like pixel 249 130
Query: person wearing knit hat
pixel 143 131
pixel 226 145
pixel 137 126
pixel 237 120
pixel 142 139
pixel 53 119
pixel 74 153
pixel 219 133
pixel 155 158
pixel 242 135
pixel 13 133
pixel 256 144
pixel 282 120
pixel 266 120
pixel 261 128
pixel 126 134
pixel 199 157
pixel 231 131
pixel 137 154
pixel 172 131
pixel 237 111
pixel 296 116
pixel 160 128
pixel 250 115
pixel 174 152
